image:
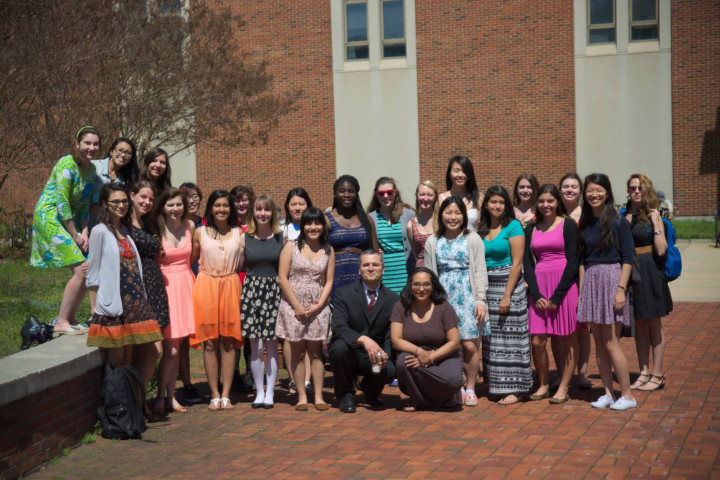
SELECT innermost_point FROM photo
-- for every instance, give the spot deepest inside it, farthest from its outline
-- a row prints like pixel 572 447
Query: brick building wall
pixel 496 83
pixel 295 39
pixel 696 106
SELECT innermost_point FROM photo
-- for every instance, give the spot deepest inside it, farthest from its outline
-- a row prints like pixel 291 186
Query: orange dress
pixel 217 289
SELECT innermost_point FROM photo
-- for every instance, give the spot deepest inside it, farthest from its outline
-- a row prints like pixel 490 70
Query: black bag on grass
pixel 121 415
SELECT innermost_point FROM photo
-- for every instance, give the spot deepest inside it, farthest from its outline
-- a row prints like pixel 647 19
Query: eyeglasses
pixel 124 153
pixel 421 285
pixel 633 188
pixel 194 198
pixel 386 193
pixel 116 203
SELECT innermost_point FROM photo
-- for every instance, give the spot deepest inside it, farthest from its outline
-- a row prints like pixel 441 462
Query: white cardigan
pixel 478 270
pixel 104 270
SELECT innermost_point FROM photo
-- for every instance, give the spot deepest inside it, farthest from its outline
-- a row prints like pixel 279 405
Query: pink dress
pixel 549 250
pixel 305 278
pixel 179 283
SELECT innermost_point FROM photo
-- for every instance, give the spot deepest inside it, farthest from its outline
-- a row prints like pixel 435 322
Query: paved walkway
pixel 673 433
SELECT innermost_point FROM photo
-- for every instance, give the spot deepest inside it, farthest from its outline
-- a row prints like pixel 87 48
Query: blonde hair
pixel 649 197
pixel 267 202
pixel 431 186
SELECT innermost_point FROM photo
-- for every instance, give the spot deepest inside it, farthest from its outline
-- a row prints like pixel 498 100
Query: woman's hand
pixel 82 241
pixel 619 300
pixel 655 218
pixel 504 306
pixel 423 357
pixel 312 310
pixel 551 306
pixel 300 312
pixel 541 304
pixel 480 311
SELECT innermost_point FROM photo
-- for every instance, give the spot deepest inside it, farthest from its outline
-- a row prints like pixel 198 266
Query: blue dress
pixel 347 264
pixel 453 266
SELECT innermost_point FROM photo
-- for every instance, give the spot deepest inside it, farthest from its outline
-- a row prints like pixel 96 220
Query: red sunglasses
pixel 386 193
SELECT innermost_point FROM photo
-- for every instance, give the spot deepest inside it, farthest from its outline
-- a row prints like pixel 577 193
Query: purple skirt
pixel 596 303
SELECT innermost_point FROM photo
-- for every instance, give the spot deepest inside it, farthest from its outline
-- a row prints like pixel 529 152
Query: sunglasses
pixel 386 193
pixel 633 188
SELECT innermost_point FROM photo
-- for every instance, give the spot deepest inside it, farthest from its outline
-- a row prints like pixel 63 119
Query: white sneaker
pixel 623 403
pixel 603 402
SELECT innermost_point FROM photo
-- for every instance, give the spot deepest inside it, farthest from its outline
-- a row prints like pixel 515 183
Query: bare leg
pixel 117 357
pixel 610 334
pixel 314 354
pixel 92 295
pixel 169 371
pixel 583 336
pixel 471 355
pixel 308 366
pixel 145 358
pixel 72 297
pixel 185 362
pixel 540 357
pixel 657 340
pixel 210 348
pixel 642 346
pixel 287 359
pixel 556 344
pixel 297 363
pixel 603 359
pixel 570 349
pixel 228 363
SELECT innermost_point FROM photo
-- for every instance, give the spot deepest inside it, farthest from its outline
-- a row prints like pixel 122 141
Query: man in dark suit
pixel 361 334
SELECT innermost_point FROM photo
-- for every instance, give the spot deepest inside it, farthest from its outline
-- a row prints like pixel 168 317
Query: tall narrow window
pixel 643 20
pixel 601 21
pixel 393 28
pixel 356 31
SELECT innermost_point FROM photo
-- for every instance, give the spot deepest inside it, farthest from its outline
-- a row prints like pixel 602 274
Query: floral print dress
pixel 453 265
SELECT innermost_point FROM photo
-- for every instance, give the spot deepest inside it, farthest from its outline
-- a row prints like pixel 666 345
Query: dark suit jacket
pixel 351 316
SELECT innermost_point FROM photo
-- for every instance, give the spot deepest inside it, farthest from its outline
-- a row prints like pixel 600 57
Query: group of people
pixel 424 295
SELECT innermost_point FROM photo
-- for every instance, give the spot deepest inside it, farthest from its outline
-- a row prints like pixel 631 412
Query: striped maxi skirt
pixel 506 352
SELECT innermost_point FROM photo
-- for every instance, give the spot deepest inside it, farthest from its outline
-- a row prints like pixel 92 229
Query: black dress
pixel 651 296
pixel 148 246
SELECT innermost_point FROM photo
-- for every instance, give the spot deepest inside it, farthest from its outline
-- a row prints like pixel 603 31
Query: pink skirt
pixel 179 283
pixel 560 322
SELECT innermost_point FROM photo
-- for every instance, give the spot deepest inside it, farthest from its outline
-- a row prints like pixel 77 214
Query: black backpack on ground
pixel 122 413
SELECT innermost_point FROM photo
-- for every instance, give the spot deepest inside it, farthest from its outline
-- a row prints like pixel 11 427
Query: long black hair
pixel 104 215
pixel 359 211
pixel 313 214
pixel 163 181
pixel 128 174
pixel 210 220
pixel 452 199
pixel 437 296
pixel 295 192
pixel 605 240
pixel 507 216
pixel 560 210
pixel 469 171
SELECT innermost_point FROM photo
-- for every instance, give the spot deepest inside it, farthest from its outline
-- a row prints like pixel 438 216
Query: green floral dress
pixel 66 196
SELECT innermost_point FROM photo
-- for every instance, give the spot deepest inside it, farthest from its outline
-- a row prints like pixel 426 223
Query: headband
pixel 86 127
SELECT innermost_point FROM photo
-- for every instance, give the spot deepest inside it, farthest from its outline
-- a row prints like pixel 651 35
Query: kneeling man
pixel 361 334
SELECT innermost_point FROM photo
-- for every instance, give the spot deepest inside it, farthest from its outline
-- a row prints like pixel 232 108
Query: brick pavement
pixel 674 433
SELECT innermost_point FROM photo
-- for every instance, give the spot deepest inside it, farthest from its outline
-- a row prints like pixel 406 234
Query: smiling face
pixel 386 194
pixel 425 197
pixel 457 175
pixel 221 210
pixel 524 190
pixel 157 167
pixel 262 214
pixel 193 202
pixel 174 208
pixel 242 205
pixel 296 206
pixel 346 195
pixel 595 196
pixel 452 218
pixel 421 287
pixel 570 191
pixel 496 207
pixel 547 205
pixel 142 201
pixel 371 269
pixel 635 191
pixel 313 230
pixel 117 205
pixel 121 154
pixel 87 147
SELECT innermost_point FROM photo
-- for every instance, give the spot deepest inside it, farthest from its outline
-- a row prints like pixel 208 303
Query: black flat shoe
pixel 258 405
pixel 268 406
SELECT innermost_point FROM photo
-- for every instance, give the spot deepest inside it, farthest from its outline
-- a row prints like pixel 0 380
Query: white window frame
pixel 600 26
pixel 393 41
pixel 645 23
pixel 345 31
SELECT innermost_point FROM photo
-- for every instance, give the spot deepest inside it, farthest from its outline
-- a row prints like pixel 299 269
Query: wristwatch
pixel 657 232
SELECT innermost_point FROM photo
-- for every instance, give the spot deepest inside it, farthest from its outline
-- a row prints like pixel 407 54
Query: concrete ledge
pixel 45 366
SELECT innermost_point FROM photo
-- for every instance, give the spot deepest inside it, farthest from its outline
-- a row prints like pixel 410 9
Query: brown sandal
pixel 651 385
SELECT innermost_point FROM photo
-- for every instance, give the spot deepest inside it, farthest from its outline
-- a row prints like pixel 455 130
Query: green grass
pixel 25 291
pixel 691 229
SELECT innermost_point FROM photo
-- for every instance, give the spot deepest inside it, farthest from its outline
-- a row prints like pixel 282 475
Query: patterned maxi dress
pixel 66 196
pixel 347 264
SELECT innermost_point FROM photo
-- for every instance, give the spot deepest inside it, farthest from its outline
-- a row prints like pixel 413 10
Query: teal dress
pixel 66 196
pixel 390 237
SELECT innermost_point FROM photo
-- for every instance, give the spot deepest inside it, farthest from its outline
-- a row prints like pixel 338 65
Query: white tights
pixel 259 367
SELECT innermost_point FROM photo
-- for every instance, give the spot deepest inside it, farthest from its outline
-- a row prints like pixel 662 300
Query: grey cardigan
pixel 478 270
pixel 406 216
pixel 104 270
